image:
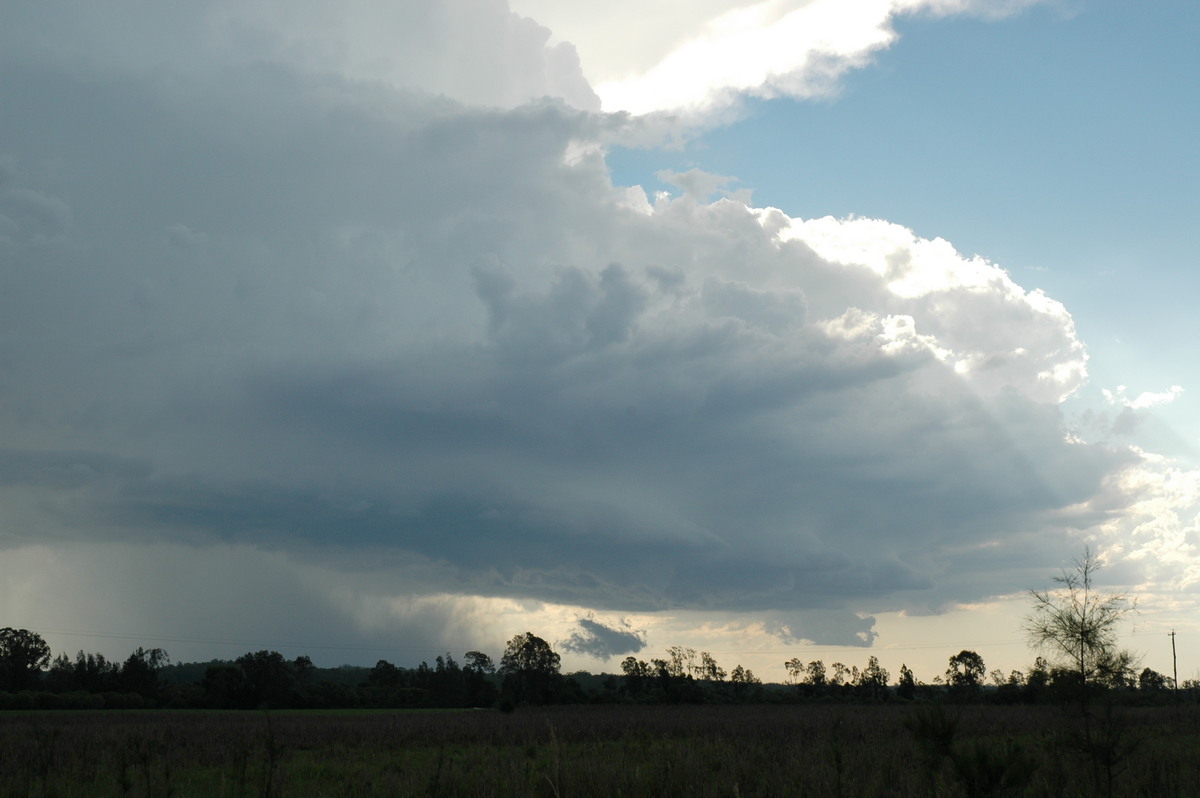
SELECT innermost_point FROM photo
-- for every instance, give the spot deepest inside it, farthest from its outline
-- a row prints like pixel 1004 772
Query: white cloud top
pixel 1050 361
pixel 767 49
pixel 721 49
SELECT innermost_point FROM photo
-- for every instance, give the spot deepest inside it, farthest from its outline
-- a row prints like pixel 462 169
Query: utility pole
pixel 1174 664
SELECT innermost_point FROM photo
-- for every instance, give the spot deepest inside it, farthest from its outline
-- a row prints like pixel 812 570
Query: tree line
pixel 529 673
pixel 1075 624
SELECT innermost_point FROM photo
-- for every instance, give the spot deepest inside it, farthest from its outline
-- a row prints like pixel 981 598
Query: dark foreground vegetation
pixel 1085 724
pixel 733 750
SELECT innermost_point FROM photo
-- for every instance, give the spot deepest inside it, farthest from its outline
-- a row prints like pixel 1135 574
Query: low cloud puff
pixel 600 641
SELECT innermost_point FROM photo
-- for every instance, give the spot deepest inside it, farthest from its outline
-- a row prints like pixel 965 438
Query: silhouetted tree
pixel 268 679
pixel 531 670
pixel 478 689
pixel 1010 689
pixel 872 682
pixel 662 674
pixel 1152 681
pixel 95 673
pixel 61 676
pixel 224 686
pixel 816 674
pixel 478 661
pixel 446 688
pixel 680 661
pixel 139 674
pixel 670 680
pixel 965 673
pixel 303 669
pixel 907 686
pixel 384 674
pixel 709 669
pixel 23 656
pixel 745 684
pixel 636 675
pixel 389 686
pixel 1036 682
pixel 840 672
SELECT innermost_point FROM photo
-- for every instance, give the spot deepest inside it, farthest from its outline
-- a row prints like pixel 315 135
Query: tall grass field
pixel 766 750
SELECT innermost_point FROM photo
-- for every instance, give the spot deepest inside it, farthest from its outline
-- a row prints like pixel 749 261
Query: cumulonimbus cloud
pixel 266 307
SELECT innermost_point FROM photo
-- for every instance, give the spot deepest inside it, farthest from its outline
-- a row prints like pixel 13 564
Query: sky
pixel 786 329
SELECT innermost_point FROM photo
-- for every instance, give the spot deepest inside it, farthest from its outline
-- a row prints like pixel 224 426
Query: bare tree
pixel 1076 623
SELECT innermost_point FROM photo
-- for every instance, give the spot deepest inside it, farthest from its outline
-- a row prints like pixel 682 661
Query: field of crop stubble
pixel 604 751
